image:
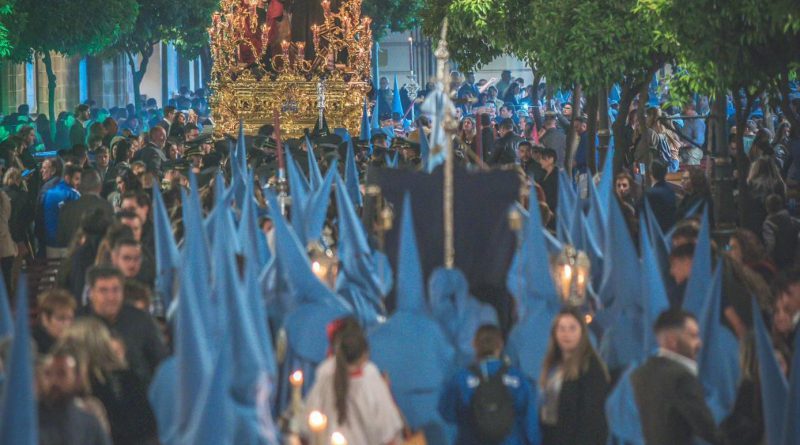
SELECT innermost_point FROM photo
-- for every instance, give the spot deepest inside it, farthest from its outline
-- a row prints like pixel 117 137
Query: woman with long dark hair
pixel 351 392
pixel 573 384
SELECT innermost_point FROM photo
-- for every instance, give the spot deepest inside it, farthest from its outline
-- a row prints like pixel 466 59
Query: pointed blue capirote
pixel 410 288
pixel 622 413
pixel 317 208
pixel 251 238
pixel 417 369
pixel 718 361
pixel 699 280
pixel 791 428
pixel 299 189
pixel 194 321
pixel 6 321
pixel 375 122
pixel 621 283
pixel 249 382
pixel 167 255
pixel 566 205
pixel 605 190
pixel 392 161
pixel 314 173
pixel 351 177
pixel 239 167
pixel 18 415
pixel 366 131
pixel 212 423
pixel 597 217
pixel 659 242
pixel 773 386
pixel 363 279
pixel 397 104
pixel 536 297
pixel 196 251
pixel 655 295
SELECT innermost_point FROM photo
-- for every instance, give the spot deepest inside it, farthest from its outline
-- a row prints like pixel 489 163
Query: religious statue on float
pixel 272 55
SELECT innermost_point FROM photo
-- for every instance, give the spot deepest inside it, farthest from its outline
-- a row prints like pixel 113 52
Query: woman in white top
pixel 351 392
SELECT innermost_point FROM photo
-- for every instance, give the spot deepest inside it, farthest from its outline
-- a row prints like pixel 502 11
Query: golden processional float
pixel 260 69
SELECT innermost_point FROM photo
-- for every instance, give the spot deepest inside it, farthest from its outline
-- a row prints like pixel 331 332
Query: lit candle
pixel 264 37
pixel 315 31
pixel 566 280
pixel 337 438
pixel 296 379
pixel 301 50
pixel 326 6
pixel 317 423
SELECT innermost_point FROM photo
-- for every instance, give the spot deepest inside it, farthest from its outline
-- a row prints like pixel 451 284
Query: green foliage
pixel 391 15
pixel 11 23
pixel 169 21
pixel 75 27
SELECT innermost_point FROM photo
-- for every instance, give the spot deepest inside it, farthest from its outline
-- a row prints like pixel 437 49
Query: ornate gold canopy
pixel 252 77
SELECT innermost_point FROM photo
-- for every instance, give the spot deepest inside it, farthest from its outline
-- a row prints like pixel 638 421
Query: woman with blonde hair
pixel 104 370
pixel 573 385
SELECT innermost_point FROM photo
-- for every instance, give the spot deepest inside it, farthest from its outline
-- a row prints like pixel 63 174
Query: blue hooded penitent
pixel 360 280
pixel 239 167
pixel 537 299
pixel 366 130
pixel 718 361
pixel 19 424
pixel 700 278
pixel 6 322
pixel 622 413
pixel 314 173
pixel 316 209
pixel 167 255
pixel 597 217
pixel 459 313
pixel 249 380
pixel 655 295
pixel 392 161
pixel 773 386
pixel 791 427
pixel 659 242
pixel 313 307
pixel 351 177
pixel 417 370
pixel 251 238
pixel 213 419
pixel 397 104
pixel 620 295
pixel 375 119
pixel 605 189
pixel 566 206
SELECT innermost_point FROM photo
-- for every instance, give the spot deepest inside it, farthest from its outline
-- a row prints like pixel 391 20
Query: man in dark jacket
pixel 661 196
pixel 668 394
pixel 505 148
pixel 69 218
pixel 554 138
pixel 77 133
pixel 144 348
pixel 781 233
pixel 152 154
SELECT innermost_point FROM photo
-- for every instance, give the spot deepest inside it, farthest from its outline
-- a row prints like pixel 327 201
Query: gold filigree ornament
pixel 252 77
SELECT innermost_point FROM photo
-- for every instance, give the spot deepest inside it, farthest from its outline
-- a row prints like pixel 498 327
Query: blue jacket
pixel 454 405
pixel 54 199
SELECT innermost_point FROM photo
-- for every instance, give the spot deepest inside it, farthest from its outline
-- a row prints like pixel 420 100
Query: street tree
pixel 53 26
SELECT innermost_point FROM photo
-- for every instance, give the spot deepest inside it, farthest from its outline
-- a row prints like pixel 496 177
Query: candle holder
pixel 296 408
pixel 571 272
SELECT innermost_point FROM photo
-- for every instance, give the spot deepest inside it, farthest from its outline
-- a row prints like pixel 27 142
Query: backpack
pixel 492 407
pixel 663 150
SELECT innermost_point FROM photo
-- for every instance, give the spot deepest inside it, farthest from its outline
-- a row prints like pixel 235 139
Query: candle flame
pixel 296 378
pixel 317 421
pixel 337 438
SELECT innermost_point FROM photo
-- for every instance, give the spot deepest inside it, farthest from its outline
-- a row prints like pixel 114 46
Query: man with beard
pixel 61 420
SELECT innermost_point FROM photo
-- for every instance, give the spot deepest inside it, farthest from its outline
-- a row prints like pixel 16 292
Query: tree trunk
pixel 603 130
pixel 591 130
pixel 207 64
pixel 51 92
pixel 724 182
pixel 742 161
pixel 138 75
pixel 572 139
pixel 629 88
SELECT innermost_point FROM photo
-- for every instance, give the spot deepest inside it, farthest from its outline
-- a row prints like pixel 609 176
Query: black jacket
pixel 581 409
pixel 69 218
pixel 671 404
pixel 663 202
pixel 144 346
pixel 505 150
